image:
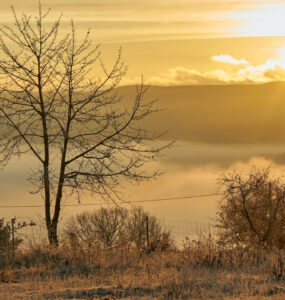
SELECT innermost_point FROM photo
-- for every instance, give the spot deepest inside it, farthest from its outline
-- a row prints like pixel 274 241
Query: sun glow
pixel 267 20
pixel 282 57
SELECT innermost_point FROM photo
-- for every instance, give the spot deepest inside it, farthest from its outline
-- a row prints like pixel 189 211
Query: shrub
pixel 116 227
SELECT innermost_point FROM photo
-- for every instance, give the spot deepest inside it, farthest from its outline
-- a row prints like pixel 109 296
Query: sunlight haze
pixel 216 67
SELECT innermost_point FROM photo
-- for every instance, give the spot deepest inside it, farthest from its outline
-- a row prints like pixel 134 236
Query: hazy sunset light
pixel 265 19
pixel 173 43
pixel 142 149
pixel 216 69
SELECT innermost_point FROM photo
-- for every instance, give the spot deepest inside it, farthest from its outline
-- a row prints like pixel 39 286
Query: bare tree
pixel 136 229
pixel 252 210
pixel 105 227
pixel 77 126
pixel 114 227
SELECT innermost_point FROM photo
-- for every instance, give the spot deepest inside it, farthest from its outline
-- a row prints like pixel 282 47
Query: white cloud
pixel 237 71
pixel 229 60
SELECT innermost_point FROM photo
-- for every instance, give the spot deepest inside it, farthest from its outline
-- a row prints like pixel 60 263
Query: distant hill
pixel 218 113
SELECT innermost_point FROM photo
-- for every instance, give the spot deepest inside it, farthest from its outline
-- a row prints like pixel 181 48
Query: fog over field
pixel 216 128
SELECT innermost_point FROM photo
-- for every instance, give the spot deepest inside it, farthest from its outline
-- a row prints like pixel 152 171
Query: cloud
pixel 238 71
pixel 181 76
pixel 229 60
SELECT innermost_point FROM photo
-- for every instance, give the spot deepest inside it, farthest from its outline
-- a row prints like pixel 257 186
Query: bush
pixel 116 227
pixel 252 210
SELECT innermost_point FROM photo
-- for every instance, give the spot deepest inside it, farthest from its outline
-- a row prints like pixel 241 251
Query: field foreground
pixel 198 271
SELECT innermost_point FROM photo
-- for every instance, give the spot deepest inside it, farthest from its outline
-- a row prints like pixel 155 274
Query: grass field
pixel 198 270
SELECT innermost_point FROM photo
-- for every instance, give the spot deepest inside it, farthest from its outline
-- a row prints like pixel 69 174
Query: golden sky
pixel 166 19
pixel 178 42
pixel 186 42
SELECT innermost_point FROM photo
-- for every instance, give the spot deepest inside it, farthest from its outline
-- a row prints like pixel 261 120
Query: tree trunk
pixel 52 234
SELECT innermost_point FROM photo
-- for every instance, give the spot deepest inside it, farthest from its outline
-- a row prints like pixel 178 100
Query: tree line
pixel 102 229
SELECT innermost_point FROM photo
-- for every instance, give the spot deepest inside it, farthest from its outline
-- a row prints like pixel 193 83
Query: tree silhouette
pixel 252 209
pixel 116 227
pixel 83 134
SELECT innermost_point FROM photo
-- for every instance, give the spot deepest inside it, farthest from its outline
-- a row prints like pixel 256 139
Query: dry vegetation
pixel 116 253
pixel 198 270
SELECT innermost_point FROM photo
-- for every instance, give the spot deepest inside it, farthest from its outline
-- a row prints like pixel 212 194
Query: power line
pixel 112 203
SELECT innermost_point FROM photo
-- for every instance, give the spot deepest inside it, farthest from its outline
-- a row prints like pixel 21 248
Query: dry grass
pixel 198 271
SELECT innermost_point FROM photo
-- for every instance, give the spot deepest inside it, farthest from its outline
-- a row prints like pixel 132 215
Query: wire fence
pixel 181 229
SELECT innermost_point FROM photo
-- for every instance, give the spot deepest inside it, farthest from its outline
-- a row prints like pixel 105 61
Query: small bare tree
pixel 105 227
pixel 252 210
pixel 115 227
pixel 82 133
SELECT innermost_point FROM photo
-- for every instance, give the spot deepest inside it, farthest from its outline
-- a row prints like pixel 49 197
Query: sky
pixel 174 43
pixel 177 42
